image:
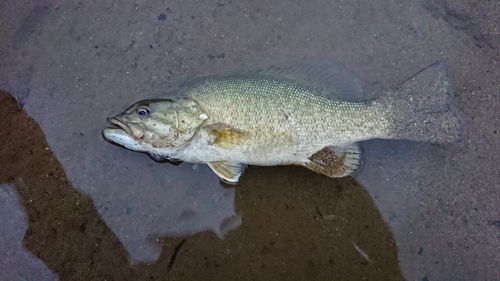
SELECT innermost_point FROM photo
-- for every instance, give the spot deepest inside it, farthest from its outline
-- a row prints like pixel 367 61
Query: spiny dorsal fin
pixel 224 135
pixel 227 171
pixel 325 74
pixel 335 161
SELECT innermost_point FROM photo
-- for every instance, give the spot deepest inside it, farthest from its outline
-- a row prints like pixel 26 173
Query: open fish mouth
pixel 121 134
pixel 119 125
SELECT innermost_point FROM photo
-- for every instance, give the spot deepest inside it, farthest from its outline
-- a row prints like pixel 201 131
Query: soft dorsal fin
pixel 228 172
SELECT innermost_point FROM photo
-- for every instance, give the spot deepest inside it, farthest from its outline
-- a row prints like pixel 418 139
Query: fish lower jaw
pixel 116 122
pixel 120 137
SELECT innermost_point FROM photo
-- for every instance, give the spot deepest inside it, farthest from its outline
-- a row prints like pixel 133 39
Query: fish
pixel 309 114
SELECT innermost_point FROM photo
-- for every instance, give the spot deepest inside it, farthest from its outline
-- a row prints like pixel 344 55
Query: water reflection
pixel 295 223
pixel 16 263
pixel 140 206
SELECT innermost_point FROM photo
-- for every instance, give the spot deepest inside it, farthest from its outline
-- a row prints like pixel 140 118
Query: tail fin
pixel 420 108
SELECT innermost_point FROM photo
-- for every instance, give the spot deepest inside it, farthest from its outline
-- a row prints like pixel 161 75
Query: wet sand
pixel 96 211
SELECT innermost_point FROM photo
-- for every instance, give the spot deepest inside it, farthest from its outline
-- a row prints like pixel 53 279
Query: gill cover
pixel 185 116
pixel 190 116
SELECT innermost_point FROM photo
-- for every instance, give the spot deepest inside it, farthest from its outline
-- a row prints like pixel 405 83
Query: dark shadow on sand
pixel 297 225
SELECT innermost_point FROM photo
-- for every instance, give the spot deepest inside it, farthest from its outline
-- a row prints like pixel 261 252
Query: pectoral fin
pixel 224 135
pixel 229 172
pixel 335 161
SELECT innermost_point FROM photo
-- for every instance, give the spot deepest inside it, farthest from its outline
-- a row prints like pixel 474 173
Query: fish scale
pixel 284 116
pixel 269 102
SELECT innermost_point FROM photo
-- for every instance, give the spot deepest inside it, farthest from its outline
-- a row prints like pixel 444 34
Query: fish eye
pixel 143 111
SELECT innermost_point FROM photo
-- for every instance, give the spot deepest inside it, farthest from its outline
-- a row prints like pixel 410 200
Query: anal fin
pixel 335 161
pixel 228 172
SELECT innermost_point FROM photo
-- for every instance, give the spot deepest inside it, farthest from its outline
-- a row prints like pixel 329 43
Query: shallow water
pixel 415 211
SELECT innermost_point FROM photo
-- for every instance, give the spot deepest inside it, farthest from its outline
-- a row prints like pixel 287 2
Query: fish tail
pixel 421 111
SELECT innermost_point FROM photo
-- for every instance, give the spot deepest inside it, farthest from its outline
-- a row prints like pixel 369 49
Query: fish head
pixel 156 126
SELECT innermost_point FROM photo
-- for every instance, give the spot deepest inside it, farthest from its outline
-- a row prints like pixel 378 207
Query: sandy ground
pixel 414 211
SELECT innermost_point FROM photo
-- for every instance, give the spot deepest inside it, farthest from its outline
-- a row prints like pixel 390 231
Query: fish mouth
pixel 119 125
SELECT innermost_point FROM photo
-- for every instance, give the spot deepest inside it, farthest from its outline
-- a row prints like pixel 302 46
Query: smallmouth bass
pixel 300 115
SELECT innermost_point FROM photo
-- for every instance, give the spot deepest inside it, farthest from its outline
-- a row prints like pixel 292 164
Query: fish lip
pixel 119 124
